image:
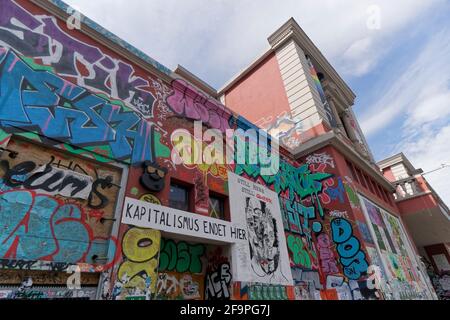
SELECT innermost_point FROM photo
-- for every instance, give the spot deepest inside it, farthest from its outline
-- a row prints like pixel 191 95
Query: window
pixel 216 207
pixel 179 197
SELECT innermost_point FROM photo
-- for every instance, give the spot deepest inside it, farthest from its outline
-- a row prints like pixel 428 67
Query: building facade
pixel 105 193
pixel 425 215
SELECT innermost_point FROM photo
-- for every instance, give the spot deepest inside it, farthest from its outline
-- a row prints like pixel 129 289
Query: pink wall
pixel 417 204
pixel 387 172
pixel 260 93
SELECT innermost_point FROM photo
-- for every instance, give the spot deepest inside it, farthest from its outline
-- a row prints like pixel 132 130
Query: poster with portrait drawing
pixel 264 257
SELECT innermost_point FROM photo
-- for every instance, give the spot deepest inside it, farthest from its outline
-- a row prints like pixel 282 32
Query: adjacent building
pixel 425 215
pixel 106 192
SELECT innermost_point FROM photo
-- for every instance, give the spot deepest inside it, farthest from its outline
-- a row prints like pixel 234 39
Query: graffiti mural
pixel 187 102
pixel 75 115
pixel 294 184
pixel 218 275
pixel 61 228
pixel 137 274
pixel 64 112
pixel 181 256
pixel 218 282
pixel 344 290
pixel 53 225
pixel 300 255
pixel 42 38
pixel 179 286
pixel 327 259
pixel 352 258
pixel 47 293
pixel 401 272
pixel 319 158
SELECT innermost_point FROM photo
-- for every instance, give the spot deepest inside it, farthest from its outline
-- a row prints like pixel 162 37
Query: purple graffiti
pixel 32 35
pixel 327 259
pixel 188 102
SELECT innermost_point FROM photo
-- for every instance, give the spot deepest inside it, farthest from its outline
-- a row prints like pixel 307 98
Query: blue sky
pixel 400 71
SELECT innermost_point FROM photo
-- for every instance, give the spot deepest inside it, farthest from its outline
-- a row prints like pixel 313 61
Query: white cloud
pixel 216 38
pixel 421 88
pixel 418 103
pixel 361 53
pixel 430 151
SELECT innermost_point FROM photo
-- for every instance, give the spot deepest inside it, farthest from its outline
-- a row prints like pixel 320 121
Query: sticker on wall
pixel 264 257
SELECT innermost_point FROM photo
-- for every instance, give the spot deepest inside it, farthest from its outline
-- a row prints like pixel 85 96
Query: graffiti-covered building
pixel 425 215
pixel 112 185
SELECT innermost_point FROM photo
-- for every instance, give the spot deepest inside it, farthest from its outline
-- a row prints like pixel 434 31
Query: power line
pixel 444 165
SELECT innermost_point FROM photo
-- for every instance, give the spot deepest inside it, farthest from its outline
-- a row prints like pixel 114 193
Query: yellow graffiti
pixel 140 248
pixel 216 170
pixel 150 198
pixel 189 151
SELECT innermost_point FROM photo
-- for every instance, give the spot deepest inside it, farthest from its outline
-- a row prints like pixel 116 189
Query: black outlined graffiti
pixel 218 282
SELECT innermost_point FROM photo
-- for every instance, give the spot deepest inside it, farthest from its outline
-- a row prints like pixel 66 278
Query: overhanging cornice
pixel 291 30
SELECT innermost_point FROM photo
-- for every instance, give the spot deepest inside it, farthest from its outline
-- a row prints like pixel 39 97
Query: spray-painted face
pixel 153 176
pixel 263 242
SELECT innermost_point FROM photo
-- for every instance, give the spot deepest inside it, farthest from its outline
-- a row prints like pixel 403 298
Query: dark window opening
pixel 179 197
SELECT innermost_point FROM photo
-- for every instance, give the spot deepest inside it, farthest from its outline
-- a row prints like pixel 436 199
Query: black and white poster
pixel 264 257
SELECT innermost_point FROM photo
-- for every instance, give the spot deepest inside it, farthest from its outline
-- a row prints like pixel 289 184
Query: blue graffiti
pixel 40 227
pixel 348 247
pixel 296 217
pixel 338 192
pixel 35 100
pixel 36 36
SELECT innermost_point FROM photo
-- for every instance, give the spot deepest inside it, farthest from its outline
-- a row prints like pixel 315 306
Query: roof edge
pixel 241 74
pixel 292 30
pixel 61 5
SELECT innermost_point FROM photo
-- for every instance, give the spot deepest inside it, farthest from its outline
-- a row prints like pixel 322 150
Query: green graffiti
pixel 30 62
pixel 161 150
pixel 353 197
pixel 300 255
pixel 4 138
pixel 30 135
pixel 181 256
pixel 90 152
